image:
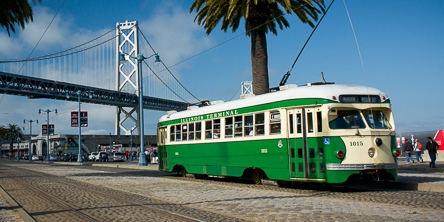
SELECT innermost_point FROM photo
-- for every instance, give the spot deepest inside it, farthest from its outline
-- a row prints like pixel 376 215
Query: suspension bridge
pixel 105 71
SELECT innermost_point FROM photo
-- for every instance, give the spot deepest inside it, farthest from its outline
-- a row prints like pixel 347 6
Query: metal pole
pixel 142 156
pixel 79 157
pixel 18 148
pixel 131 145
pixel 30 137
pixel 110 143
pixel 47 134
pixel 30 142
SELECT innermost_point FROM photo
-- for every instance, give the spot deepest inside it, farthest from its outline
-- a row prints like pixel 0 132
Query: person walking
pixel 407 147
pixel 432 147
pixel 418 149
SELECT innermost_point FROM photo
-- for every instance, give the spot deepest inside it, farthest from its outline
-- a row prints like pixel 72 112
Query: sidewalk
pixel 418 176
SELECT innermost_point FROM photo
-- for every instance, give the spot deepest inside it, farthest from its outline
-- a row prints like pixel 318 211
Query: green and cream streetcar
pixel 324 133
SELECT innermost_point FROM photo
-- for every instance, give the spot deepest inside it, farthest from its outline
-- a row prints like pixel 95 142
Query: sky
pixel 393 45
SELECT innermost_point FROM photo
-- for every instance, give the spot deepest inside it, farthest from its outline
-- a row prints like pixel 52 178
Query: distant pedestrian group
pixel 431 146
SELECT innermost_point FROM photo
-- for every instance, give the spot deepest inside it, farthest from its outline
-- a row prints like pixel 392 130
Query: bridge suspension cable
pixel 169 71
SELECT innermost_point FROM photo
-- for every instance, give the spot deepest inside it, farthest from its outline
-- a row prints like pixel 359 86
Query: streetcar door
pixel 306 159
pixel 161 138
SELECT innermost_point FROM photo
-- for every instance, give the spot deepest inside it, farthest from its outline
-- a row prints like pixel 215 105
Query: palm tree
pixel 14 131
pixel 14 12
pixel 261 17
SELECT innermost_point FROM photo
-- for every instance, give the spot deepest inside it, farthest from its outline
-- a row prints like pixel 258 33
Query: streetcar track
pixel 59 180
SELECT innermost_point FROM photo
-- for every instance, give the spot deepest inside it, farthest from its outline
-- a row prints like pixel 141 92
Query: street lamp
pixel 140 58
pixel 79 157
pixel 47 128
pixel 30 136
pixel 18 148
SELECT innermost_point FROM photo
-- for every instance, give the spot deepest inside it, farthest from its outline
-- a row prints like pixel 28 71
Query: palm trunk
pixel 259 62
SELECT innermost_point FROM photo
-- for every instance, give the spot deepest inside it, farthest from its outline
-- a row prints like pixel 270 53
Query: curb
pixel 427 187
pixel 14 206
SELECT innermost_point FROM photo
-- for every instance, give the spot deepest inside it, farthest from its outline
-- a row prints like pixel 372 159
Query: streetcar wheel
pixel 183 171
pixel 257 176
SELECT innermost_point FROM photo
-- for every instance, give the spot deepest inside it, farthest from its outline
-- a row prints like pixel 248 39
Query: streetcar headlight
pixel 378 141
pixel 371 152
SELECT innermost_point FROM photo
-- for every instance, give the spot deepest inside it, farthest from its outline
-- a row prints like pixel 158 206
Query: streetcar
pixel 318 132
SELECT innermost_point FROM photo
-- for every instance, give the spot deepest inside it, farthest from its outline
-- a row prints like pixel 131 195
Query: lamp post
pixel 79 93
pixel 140 58
pixel 47 128
pixel 30 136
pixel 18 148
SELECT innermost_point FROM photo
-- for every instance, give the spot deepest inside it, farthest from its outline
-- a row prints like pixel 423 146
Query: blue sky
pixel 400 41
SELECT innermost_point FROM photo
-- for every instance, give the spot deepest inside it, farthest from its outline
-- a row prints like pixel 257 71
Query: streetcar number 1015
pixel 356 143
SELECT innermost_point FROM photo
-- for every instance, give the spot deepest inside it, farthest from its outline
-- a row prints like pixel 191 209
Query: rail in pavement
pixel 414 176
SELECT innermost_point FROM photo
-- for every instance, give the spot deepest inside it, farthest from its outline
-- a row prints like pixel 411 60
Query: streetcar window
pixel 172 131
pixel 300 153
pixel 322 168
pixel 319 121
pixel 347 119
pixel 248 125
pixel 177 132
pixel 228 127
pixel 216 128
pixel 191 131
pixel 208 127
pixel 313 167
pixel 237 126
pixel 198 131
pixel 310 122
pixel 184 132
pixel 298 123
pixel 275 122
pixel 376 119
pixel 311 152
pixel 259 124
pixel 300 167
pixel 290 119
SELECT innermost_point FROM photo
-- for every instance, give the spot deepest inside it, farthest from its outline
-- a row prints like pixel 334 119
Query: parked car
pixel 26 157
pixel 74 157
pixel 117 157
pixel 66 157
pixel 37 157
pixel 53 157
pixel 103 157
pixel 94 156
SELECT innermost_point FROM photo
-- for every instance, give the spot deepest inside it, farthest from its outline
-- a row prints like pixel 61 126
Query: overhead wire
pixel 43 34
pixel 309 37
pixel 213 47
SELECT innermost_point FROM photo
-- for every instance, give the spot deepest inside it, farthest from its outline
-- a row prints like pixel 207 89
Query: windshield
pixel 347 119
pixel 376 119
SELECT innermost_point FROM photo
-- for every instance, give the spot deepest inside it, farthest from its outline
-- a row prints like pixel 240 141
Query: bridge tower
pixel 127 41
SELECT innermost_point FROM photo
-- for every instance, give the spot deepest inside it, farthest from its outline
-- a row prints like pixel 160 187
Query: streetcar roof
pixel 292 92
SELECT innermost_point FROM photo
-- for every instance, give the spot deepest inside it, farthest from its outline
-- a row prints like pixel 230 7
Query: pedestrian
pixel 408 151
pixel 418 150
pixel 432 147
pixel 147 156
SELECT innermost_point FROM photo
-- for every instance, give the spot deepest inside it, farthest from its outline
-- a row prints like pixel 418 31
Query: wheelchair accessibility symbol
pixel 326 141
